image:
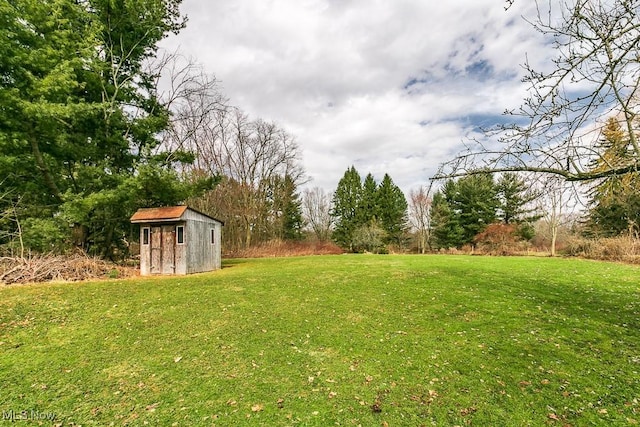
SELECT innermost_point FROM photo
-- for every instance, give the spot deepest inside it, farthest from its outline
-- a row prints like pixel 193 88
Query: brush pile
pixel 47 268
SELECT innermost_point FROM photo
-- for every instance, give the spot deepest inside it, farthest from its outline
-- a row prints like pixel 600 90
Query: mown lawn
pixel 331 340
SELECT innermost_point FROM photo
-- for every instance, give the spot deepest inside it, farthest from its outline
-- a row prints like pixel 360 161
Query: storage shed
pixel 178 240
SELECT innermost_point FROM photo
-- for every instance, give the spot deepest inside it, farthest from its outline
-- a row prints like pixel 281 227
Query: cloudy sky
pixel 393 86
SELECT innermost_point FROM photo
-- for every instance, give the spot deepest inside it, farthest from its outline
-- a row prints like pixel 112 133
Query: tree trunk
pixel 247 236
pixel 46 173
pixel 107 252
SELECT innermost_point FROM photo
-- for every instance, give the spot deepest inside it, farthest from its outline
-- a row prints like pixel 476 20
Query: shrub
pixel 498 239
pixel 623 248
pixel 579 246
pixel 44 235
pixel 369 238
pixel 615 249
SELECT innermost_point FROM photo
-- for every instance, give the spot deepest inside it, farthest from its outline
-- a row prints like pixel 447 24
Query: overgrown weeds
pixel 282 248
pixel 621 249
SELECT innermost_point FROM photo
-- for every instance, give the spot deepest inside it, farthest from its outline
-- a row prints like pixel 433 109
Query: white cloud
pixel 383 85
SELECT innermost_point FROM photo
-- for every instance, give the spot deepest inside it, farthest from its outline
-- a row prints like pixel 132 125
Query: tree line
pixel 466 207
pixel 368 216
pixel 579 120
pixel 80 116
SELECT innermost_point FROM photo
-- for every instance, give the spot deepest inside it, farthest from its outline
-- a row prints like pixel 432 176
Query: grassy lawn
pixel 331 340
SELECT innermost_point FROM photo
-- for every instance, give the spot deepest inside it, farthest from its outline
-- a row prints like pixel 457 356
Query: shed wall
pixel 201 253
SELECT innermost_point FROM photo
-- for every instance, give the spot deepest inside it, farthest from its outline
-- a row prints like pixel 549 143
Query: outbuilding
pixel 178 240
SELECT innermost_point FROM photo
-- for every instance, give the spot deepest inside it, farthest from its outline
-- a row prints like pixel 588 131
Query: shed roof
pixel 169 213
pixel 165 214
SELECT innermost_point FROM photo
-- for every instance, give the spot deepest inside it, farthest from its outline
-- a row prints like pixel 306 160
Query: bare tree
pixel 557 206
pixel 194 101
pixel 249 155
pixel 10 222
pixel 420 216
pixel 316 207
pixel 595 76
pixel 246 154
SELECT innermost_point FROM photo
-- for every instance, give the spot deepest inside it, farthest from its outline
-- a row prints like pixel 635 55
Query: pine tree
pixel 292 222
pixel 368 209
pixel 463 209
pixel 615 200
pixel 80 116
pixel 515 198
pixel 346 199
pixel 447 231
pixel 392 206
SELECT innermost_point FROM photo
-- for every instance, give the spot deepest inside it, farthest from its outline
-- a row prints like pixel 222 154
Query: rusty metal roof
pixel 165 214
pixel 169 213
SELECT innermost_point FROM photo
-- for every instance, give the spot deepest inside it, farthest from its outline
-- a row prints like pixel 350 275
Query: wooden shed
pixel 178 240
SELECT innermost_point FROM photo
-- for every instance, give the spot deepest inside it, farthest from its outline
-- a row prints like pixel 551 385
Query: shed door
pixel 156 250
pixel 163 249
pixel 168 249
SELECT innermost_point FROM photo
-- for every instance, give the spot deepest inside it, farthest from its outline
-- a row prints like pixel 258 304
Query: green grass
pixel 332 340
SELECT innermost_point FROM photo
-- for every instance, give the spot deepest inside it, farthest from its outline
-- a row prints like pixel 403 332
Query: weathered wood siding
pixel 181 251
pixel 145 251
pixel 201 253
pixel 218 245
pixel 156 250
pixel 168 249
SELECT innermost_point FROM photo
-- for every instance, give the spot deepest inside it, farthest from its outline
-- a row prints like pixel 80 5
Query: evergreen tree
pixel 476 203
pixel 80 116
pixel 286 209
pixel 447 231
pixel 615 200
pixel 368 208
pixel 378 211
pixel 463 209
pixel 515 197
pixel 392 206
pixel 346 199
